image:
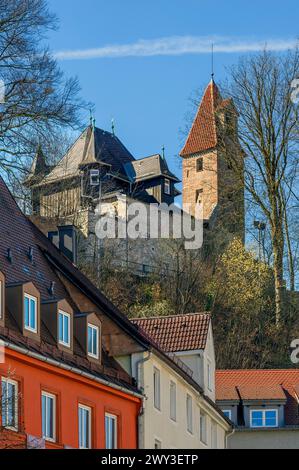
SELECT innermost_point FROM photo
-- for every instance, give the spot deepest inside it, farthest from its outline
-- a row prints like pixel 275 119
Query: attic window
pixel 167 186
pixel 30 313
pixel 93 341
pixel 94 177
pixel 64 325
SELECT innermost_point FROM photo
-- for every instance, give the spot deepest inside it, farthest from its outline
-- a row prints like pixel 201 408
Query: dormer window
pixel 57 316
pixel 30 313
pixel 93 341
pixel 167 186
pixel 263 418
pixel 64 326
pixel 87 329
pixel 94 177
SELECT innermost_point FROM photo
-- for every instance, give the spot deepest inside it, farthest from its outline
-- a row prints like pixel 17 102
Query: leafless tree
pixel 268 131
pixel 38 99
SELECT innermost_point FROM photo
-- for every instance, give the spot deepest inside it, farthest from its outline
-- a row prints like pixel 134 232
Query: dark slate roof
pixel 18 234
pixel 177 332
pixel 148 167
pixel 93 145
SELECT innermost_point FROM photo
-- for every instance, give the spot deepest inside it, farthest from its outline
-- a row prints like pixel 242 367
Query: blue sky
pixel 139 61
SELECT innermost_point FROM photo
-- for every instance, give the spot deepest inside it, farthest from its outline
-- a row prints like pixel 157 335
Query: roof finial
pixel 94 123
pixel 163 152
pixel 212 61
pixel 112 126
pixel 90 117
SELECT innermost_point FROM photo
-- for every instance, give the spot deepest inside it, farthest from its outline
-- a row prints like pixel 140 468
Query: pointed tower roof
pixel 39 167
pixel 203 135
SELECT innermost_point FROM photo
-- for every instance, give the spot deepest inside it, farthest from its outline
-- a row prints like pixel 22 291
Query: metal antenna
pixel 212 61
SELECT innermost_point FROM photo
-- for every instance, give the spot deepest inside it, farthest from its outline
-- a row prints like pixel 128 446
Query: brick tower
pixel 213 165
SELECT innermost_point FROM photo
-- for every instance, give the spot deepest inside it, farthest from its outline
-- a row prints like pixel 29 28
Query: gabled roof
pixel 149 167
pixel 94 145
pixel 174 333
pixel 261 384
pixel 203 133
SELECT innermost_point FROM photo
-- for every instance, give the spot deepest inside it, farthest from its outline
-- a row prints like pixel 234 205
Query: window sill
pixel 53 445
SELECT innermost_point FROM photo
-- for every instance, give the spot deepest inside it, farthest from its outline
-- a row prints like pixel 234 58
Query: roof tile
pixel 177 332
pixel 261 384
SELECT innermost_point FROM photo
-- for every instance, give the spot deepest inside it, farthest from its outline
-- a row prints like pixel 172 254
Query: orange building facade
pixel 34 377
pixel 61 383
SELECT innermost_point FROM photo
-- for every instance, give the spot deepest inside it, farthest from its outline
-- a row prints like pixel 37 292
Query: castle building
pixel 98 169
pixel 212 158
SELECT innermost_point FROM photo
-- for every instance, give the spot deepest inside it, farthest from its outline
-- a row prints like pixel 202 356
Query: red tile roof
pixel 269 384
pixel 177 332
pixel 261 392
pixel 202 135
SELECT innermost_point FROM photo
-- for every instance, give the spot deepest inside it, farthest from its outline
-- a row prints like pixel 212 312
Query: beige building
pixel 263 405
pixel 179 384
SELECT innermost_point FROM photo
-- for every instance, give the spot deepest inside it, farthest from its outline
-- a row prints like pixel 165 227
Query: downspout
pixel 227 436
pixel 141 412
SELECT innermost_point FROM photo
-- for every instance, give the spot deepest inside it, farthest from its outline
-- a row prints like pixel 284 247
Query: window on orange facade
pixel 9 403
pixel 49 416
pixel 111 431
pixel 84 418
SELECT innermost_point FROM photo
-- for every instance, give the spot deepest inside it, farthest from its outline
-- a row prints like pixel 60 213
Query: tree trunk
pixel 290 254
pixel 277 237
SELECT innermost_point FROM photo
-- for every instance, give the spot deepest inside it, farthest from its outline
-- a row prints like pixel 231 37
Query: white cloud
pixel 178 45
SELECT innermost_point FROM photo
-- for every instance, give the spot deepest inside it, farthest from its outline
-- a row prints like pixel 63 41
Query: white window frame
pixel 229 412
pixel 7 381
pixel 64 314
pixel 172 400
pixel 167 186
pixel 264 411
pixel 93 327
pixel 89 410
pixel 189 413
pixel 94 173
pixel 30 297
pixel 52 397
pixel 157 388
pixel 203 430
pixel 114 419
